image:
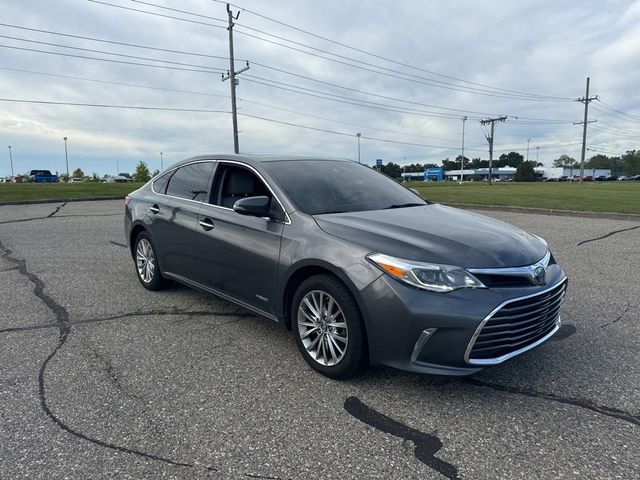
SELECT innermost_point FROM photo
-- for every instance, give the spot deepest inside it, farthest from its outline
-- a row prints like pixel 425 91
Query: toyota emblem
pixel 539 276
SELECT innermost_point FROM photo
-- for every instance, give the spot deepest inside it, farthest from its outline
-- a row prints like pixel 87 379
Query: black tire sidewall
pixel 356 356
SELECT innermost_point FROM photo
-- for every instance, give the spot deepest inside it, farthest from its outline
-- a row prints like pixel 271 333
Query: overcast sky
pixel 524 59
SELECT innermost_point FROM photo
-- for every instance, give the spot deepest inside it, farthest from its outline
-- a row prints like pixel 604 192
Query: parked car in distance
pixel 588 178
pixel 635 177
pixel 362 270
pixel 611 178
pixel 75 180
pixel 600 178
pixel 42 176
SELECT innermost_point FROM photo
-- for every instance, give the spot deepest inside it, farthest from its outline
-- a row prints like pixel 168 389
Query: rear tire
pixel 328 327
pixel 146 263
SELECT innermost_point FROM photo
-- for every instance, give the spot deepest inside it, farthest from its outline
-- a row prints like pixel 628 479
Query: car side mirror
pixel 253 206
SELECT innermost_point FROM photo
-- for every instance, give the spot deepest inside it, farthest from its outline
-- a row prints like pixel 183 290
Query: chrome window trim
pixel 287 218
pixel 503 358
pixel 527 271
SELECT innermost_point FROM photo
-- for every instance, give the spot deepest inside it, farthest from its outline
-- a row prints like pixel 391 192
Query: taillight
pixel 127 200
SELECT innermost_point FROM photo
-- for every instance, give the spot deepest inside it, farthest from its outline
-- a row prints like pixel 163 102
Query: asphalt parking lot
pixel 100 378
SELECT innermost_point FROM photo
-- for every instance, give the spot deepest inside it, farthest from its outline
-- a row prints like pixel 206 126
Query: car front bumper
pixel 426 332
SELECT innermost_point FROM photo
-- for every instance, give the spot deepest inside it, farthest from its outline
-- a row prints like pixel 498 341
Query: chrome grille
pixel 518 324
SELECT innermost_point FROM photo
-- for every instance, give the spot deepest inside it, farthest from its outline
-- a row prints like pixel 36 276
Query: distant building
pixel 559 172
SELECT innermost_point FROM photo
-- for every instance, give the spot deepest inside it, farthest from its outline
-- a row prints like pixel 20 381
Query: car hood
pixel 437 234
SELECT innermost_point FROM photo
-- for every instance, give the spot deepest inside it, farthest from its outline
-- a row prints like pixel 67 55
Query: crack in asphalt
pixel 425 445
pixel 136 313
pixel 53 216
pixel 56 210
pixel 618 318
pixel 585 403
pixel 112 373
pixel 607 235
pixel 64 326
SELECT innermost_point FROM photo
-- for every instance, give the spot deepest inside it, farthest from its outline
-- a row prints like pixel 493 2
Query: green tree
pixel 141 174
pixel 599 161
pixel 511 159
pixel 631 162
pixel 525 172
pixel 155 172
pixel 391 169
pixel 565 161
pixel 450 165
pixel 78 173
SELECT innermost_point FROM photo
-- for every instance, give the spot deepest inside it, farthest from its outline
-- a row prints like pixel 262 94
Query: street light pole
pixel 528 141
pixel 66 155
pixel 464 119
pixel 537 151
pixel 161 164
pixel 358 135
pixel 11 160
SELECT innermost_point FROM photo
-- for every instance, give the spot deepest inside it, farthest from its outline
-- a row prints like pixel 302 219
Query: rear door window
pixel 160 184
pixel 191 181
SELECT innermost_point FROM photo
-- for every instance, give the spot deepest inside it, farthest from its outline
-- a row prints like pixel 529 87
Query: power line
pixel 386 58
pixel 241 99
pixel 392 75
pixel 109 60
pixel 227 58
pixel 344 100
pixel 113 42
pixel 201 110
pixel 108 82
pixel 103 105
pixel 111 53
pixel 618 111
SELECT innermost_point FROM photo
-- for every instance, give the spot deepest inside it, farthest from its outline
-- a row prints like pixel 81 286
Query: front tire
pixel 328 327
pixel 146 261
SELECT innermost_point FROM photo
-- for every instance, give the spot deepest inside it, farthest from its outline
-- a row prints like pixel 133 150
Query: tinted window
pixel 326 186
pixel 236 183
pixel 160 184
pixel 191 181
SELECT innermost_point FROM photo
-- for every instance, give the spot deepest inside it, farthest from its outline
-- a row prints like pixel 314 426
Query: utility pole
pixel 358 135
pixel 231 75
pixel 161 163
pixel 464 119
pixel 537 151
pixel 11 160
pixel 66 155
pixel 492 121
pixel 586 99
pixel 528 141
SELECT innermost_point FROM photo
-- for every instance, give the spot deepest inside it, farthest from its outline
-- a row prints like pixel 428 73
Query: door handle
pixel 154 208
pixel 206 224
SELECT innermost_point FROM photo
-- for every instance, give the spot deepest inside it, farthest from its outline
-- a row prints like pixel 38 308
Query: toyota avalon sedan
pixel 362 270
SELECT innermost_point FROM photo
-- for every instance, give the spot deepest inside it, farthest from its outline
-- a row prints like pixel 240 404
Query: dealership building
pixel 503 173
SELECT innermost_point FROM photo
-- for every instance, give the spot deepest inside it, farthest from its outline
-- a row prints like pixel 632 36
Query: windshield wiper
pixel 329 211
pixel 403 205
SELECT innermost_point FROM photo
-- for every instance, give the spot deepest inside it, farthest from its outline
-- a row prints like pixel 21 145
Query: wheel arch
pixel 303 270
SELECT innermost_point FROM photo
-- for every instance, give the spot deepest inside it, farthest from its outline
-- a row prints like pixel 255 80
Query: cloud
pixel 546 48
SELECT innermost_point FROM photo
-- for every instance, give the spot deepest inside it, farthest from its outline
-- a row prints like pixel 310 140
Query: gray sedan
pixel 361 269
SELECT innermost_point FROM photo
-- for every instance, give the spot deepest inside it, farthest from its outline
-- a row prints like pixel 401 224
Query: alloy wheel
pixel 145 260
pixel 322 328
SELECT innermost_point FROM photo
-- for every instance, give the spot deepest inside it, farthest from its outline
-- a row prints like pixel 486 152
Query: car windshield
pixel 332 186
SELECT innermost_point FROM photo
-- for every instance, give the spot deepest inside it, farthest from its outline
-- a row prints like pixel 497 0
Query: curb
pixel 548 211
pixel 60 200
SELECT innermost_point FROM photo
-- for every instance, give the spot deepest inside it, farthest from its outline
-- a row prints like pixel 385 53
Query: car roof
pixel 256 159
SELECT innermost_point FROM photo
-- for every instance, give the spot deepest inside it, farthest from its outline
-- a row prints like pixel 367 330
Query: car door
pixel 239 254
pixel 174 218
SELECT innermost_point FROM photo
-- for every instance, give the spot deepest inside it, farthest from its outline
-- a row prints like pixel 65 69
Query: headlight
pixel 428 276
